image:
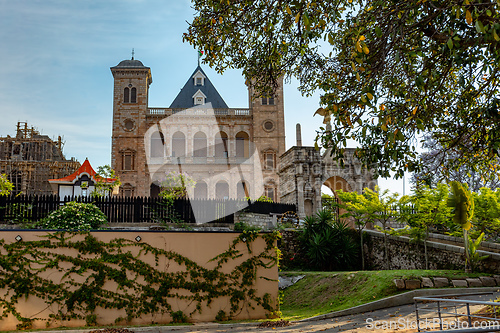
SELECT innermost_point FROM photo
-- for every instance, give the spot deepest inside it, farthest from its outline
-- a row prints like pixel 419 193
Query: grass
pixel 323 292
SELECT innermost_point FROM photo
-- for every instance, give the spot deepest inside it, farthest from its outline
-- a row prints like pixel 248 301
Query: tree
pixel 5 185
pixel 176 185
pixel 462 204
pixel 380 207
pixel 425 208
pixel 387 71
pixel 106 181
pixel 433 170
pixel 355 206
pixel 487 212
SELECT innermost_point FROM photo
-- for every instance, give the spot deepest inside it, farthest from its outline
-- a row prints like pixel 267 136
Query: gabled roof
pixel 84 168
pixel 184 99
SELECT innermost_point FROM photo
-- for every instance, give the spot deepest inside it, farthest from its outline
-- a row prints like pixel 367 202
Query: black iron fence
pixel 23 208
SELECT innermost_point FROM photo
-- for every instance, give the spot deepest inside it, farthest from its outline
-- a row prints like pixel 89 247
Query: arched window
pixel 133 95
pixel 156 145
pixel 200 145
pixel 201 190
pixel 127 190
pixel 308 207
pixel 178 144
pixel 269 159
pixel 126 95
pixel 222 190
pixel 154 190
pixel 221 145
pixel 242 145
pixel 242 190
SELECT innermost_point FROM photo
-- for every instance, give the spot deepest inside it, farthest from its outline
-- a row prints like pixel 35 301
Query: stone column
pixel 298 134
pixel 317 197
pixel 300 191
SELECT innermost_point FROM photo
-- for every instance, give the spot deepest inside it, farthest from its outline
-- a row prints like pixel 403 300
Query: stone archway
pixel 303 170
pixel 335 183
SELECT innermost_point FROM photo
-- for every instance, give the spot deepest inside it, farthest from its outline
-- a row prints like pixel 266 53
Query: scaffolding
pixel 30 159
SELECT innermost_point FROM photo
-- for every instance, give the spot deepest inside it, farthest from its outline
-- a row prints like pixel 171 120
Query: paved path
pixel 401 318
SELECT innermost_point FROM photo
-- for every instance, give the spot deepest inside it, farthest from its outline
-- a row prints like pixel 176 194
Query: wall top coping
pixel 436 245
pixel 131 230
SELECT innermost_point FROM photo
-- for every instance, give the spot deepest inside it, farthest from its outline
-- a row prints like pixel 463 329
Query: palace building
pixel 229 152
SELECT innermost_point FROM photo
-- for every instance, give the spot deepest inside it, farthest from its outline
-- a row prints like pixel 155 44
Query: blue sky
pixel 55 57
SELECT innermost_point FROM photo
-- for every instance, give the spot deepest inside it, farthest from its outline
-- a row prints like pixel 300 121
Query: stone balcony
pixel 197 111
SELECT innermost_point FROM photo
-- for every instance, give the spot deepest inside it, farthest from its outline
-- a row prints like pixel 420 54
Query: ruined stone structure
pixel 30 159
pixel 230 153
pixel 303 170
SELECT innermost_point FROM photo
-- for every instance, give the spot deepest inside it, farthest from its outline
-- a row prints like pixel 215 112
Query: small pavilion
pixel 80 183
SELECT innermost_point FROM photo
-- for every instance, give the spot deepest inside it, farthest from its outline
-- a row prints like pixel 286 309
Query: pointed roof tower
pixel 198 90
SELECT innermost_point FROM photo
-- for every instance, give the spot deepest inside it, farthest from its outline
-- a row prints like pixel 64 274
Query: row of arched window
pixel 200 145
pixel 201 190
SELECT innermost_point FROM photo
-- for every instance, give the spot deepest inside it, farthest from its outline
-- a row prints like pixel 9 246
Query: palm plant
pixel 327 243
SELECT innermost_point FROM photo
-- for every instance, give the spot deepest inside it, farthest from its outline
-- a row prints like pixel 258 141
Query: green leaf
pixel 495 35
pixel 450 44
pixel 479 27
pixel 330 39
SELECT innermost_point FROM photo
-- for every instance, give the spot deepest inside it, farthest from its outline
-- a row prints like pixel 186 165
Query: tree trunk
pixel 386 255
pixel 362 250
pixel 425 249
pixel 466 248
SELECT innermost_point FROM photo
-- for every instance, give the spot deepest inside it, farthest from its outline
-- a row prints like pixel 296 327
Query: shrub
pixel 74 216
pixel 221 316
pixel 328 244
pixel 179 317
pixel 242 226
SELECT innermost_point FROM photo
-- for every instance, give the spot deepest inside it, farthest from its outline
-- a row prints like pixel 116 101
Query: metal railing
pixel 452 313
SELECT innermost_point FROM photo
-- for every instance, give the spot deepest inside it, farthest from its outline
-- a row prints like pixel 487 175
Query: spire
pixel 133 53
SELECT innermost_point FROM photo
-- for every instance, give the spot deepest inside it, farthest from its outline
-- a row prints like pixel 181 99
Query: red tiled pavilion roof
pixel 84 168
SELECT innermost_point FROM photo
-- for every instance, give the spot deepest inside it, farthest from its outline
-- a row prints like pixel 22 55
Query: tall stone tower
pixel 269 135
pixel 130 106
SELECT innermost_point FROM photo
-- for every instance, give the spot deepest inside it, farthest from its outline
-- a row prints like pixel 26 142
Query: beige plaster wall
pixel 199 247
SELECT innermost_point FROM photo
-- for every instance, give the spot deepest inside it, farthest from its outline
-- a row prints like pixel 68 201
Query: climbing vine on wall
pixel 142 288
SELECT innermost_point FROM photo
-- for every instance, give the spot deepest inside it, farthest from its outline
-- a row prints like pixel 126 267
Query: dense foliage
pixel 74 216
pixel 328 243
pixel 388 71
pixel 5 185
pixel 142 288
pixel 106 181
pixel 176 185
pixel 427 207
pixel 434 171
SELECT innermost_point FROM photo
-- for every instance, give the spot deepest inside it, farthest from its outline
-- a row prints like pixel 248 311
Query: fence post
pixel 138 202
pixel 34 208
pixel 3 207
